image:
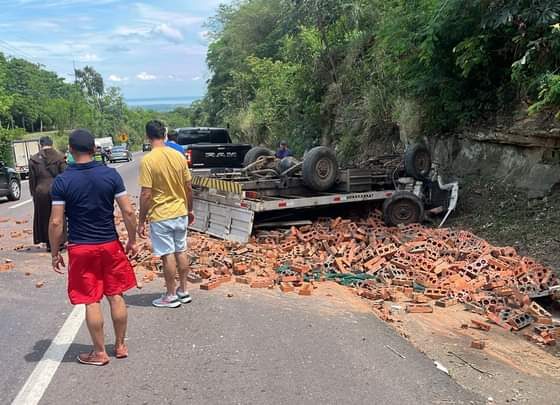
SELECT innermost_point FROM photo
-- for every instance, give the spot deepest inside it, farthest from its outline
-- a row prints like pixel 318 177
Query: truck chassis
pixel 227 204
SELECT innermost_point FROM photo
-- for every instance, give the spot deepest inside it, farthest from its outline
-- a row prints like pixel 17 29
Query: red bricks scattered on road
pixel 413 264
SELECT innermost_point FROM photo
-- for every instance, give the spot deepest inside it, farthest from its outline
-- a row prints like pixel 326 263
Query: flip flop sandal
pixel 121 352
pixel 92 359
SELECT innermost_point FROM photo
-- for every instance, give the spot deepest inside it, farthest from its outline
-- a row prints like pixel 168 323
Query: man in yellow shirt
pixel 166 199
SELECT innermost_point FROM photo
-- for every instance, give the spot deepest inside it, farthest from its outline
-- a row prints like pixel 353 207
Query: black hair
pixel 45 141
pixel 172 135
pixel 81 141
pixel 155 129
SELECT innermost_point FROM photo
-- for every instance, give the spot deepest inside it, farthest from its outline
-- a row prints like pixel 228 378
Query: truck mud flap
pixel 222 221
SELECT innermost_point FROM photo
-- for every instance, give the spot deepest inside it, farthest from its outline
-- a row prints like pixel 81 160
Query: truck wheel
pixel 14 191
pixel 320 168
pixel 403 207
pixel 254 153
pixel 417 161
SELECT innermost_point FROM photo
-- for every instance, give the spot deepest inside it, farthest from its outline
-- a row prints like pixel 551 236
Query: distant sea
pixel 162 104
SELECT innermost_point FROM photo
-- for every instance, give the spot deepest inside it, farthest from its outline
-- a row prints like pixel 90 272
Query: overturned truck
pixel 229 203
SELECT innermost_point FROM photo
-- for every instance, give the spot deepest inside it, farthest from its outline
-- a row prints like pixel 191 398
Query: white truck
pixel 105 143
pixel 22 151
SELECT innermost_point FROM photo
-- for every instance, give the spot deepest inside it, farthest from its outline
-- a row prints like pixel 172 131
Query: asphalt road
pixel 256 347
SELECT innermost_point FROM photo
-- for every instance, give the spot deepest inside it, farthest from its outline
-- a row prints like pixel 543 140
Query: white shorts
pixel 169 236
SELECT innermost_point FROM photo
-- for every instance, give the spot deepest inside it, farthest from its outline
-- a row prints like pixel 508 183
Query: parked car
pixel 10 183
pixel 211 148
pixel 120 153
pixel 146 147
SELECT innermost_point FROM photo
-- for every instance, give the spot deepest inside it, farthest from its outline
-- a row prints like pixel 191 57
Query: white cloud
pixel 127 31
pixel 117 78
pixel 168 32
pixel 88 57
pixel 196 78
pixel 146 31
pixel 145 76
pixel 149 14
pixel 171 77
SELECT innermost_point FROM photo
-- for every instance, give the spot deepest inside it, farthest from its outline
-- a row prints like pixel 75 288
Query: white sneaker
pixel 167 301
pixel 183 296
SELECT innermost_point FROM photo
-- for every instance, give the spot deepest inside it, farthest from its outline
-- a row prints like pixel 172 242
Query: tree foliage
pixel 33 99
pixel 348 72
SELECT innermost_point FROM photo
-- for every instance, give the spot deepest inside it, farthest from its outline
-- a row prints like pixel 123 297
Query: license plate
pixel 215 155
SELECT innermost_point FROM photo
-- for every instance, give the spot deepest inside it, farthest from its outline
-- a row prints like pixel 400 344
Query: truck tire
pixel 320 168
pixel 403 207
pixel 14 191
pixel 417 161
pixel 254 153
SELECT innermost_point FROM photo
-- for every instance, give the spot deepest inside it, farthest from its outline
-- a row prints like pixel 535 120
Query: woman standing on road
pixel 43 168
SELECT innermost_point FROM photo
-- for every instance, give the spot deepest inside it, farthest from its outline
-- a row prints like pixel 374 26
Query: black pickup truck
pixel 207 148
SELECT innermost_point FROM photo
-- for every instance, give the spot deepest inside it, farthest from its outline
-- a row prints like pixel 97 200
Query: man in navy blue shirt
pixel 98 266
pixel 283 150
pixel 172 137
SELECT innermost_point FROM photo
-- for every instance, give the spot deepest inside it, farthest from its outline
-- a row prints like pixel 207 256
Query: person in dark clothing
pixel 283 150
pixel 43 168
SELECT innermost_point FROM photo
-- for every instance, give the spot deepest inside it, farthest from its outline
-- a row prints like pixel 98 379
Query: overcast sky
pixel 148 48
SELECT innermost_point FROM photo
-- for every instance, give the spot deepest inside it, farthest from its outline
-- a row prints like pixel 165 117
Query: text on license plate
pixel 220 154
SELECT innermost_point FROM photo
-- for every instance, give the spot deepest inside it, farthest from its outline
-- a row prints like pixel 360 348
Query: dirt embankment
pixel 505 216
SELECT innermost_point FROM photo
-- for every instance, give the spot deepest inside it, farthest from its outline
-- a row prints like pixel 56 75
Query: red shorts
pixel 97 270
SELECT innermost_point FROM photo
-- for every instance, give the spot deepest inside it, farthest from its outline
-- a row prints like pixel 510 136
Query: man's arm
pixel 145 205
pixel 188 190
pixel 32 179
pixel 56 230
pixel 129 219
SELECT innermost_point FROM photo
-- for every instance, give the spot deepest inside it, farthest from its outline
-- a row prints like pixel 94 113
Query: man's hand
pixel 58 263
pixel 141 230
pixel 191 218
pixel 131 248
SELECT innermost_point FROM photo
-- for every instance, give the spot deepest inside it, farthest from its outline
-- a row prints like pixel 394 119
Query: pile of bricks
pixel 419 266
pixel 414 264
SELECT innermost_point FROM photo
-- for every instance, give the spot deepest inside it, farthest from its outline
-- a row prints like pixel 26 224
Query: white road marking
pixel 37 383
pixel 21 203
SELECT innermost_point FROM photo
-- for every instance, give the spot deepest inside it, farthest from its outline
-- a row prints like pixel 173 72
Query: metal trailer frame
pixel 230 215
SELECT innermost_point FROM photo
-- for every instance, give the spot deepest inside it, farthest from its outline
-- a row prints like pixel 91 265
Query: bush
pixel 6 138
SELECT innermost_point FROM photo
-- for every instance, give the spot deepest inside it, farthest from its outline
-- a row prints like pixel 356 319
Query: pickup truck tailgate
pixel 217 155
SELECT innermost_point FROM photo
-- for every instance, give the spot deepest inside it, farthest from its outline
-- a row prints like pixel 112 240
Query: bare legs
pixel 170 273
pixel 119 315
pixel 183 267
pixel 94 321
